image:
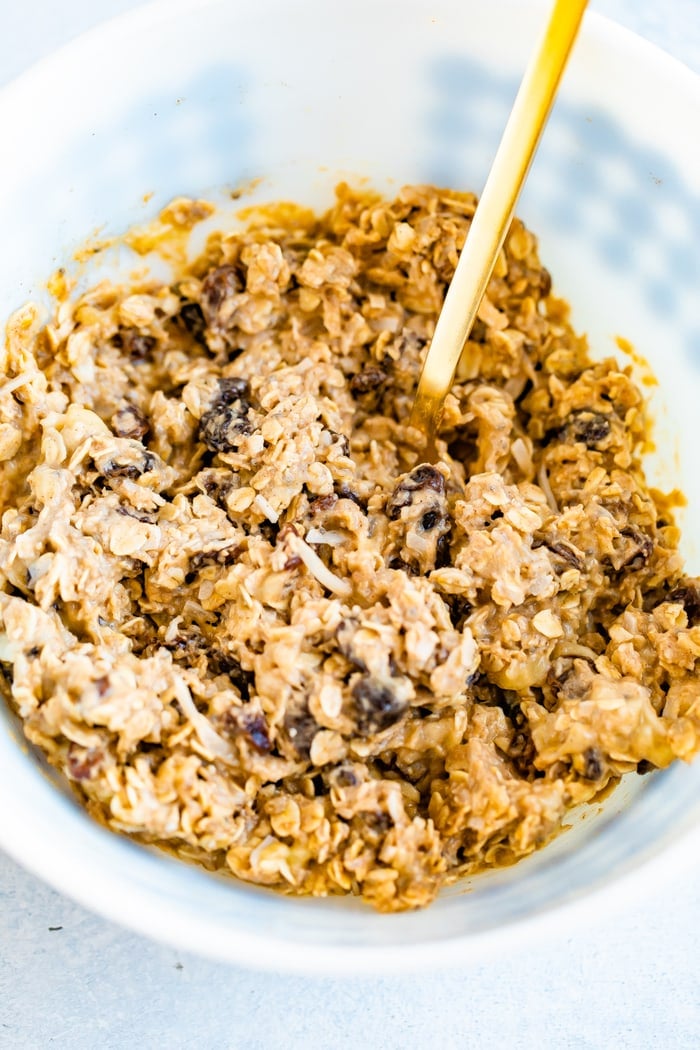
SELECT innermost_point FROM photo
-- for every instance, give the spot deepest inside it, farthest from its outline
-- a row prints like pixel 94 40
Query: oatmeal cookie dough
pixel 248 624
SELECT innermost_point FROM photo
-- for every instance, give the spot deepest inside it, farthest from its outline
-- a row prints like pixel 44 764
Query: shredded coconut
pixel 329 536
pixel 316 567
pixel 212 741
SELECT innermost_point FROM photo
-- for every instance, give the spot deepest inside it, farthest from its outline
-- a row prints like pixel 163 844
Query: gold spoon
pixel 493 215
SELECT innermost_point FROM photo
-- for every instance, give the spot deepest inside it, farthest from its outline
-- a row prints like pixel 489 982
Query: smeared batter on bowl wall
pixel 248 624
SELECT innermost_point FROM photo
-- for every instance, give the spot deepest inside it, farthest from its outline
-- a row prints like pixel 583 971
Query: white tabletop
pixel 71 980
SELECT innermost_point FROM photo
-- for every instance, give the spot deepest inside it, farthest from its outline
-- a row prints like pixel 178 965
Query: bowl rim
pixel 139 907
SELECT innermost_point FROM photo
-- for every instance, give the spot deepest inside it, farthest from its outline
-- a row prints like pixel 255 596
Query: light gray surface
pixel 70 980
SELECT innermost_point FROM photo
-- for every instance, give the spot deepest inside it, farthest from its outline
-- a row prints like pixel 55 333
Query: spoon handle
pixel 494 212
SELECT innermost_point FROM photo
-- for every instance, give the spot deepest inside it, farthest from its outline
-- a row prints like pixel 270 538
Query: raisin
pixel 255 728
pixel 587 427
pixel 569 677
pixel 545 282
pixel 459 609
pixel 522 753
pixel 188 644
pixel 343 491
pixel 640 548
pixel 443 552
pixel 645 766
pixel 218 288
pixel 569 555
pixel 231 388
pixel 216 485
pixel 219 662
pixel 121 470
pixel 226 420
pixel 430 519
pixel 192 319
pixel 114 469
pixel 688 595
pixel 420 478
pixel 301 727
pixel 138 346
pixel 343 776
pixel 130 422
pixel 376 706
pixel 403 566
pixel 375 826
pixel 344 636
pixel 323 503
pixel 222 556
pixel 368 379
pixel 341 440
pixel 83 762
pixel 593 766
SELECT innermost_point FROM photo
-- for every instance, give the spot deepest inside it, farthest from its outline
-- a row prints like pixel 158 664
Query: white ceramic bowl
pixel 186 97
